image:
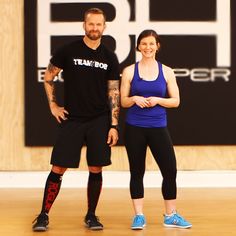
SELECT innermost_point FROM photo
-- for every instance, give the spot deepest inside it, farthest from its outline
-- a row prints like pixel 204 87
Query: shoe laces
pixel 40 218
pixel 177 217
pixel 93 218
pixel 139 219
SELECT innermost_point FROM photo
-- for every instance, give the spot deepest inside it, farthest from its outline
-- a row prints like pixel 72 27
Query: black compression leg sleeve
pixel 51 191
pixel 93 191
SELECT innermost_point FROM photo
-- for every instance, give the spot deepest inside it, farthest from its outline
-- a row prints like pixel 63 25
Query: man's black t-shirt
pixel 86 73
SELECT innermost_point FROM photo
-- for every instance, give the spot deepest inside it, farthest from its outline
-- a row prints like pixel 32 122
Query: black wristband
pixel 115 127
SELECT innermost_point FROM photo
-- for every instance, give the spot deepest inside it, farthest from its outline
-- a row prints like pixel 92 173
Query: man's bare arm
pixel 57 111
pixel 114 98
pixel 49 85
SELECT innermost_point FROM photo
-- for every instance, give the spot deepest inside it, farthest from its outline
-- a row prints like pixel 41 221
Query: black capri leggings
pixel 158 139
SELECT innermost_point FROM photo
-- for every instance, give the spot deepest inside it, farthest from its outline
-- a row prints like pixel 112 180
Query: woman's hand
pixel 153 101
pixel 141 101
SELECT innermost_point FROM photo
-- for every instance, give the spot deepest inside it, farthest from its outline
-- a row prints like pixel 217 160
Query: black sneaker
pixel 92 222
pixel 41 223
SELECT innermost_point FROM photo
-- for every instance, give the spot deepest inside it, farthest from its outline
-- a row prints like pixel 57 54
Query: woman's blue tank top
pixel 153 116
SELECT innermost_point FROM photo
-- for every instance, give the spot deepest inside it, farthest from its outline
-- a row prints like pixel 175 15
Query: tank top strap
pixel 161 74
pixel 136 74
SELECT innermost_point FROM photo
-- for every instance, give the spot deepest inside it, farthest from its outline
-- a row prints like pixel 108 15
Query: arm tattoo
pixel 114 99
pixel 52 69
pixel 51 98
pixel 49 84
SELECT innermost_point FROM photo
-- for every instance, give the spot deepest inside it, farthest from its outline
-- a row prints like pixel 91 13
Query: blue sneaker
pixel 139 222
pixel 176 221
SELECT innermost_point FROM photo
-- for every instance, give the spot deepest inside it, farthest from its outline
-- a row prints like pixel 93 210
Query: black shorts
pixel 74 134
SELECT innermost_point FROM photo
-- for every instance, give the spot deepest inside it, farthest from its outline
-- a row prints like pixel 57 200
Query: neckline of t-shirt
pixel 91 49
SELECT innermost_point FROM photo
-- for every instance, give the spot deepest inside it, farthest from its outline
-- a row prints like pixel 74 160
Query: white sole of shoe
pixel 177 226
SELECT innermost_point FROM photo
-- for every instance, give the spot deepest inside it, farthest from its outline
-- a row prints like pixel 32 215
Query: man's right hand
pixel 58 112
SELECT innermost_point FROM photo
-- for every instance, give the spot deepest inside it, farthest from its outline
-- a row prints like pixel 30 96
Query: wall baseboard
pixel 119 179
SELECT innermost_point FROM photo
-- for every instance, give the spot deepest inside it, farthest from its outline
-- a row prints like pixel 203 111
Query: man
pixel 89 116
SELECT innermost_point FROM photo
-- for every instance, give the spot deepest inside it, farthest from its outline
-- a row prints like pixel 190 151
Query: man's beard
pixel 93 36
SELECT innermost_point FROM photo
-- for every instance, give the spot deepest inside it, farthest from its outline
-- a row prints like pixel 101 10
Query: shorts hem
pixel 105 164
pixel 65 166
pixel 77 166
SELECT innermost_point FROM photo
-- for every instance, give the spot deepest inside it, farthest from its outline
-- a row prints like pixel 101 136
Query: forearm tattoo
pixel 114 99
pixel 52 94
pixel 52 69
pixel 49 84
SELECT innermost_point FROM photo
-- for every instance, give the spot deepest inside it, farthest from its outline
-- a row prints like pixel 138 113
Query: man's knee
pixel 59 169
pixel 95 169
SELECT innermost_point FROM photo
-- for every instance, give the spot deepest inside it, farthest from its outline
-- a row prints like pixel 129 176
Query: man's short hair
pixel 94 11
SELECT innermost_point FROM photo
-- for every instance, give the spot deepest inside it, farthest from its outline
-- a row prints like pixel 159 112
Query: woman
pixel 147 89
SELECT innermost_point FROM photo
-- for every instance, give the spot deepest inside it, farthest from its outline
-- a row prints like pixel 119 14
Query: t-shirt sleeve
pixel 58 59
pixel 114 71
